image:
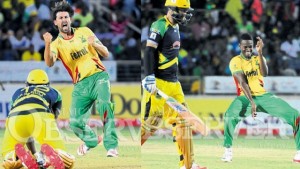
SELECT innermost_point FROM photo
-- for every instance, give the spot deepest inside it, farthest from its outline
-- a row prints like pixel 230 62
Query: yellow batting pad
pixel 184 139
pixel 67 158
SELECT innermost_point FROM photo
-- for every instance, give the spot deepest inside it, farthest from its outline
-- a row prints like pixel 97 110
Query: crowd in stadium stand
pixel 211 38
pixel 23 22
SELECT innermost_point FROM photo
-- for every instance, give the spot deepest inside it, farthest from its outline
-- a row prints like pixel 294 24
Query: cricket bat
pixel 186 114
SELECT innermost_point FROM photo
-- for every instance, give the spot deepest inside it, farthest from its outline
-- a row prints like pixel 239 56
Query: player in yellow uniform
pixel 32 115
pixel 161 64
pixel 248 71
pixel 78 50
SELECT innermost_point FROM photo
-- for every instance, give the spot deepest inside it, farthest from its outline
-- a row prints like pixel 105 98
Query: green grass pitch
pixel 248 153
pixel 129 151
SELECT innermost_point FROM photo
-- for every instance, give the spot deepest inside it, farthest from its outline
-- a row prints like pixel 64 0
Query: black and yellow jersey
pixel 33 99
pixel 167 38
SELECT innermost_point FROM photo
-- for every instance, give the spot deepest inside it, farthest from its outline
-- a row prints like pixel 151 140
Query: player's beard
pixel 248 54
pixel 65 29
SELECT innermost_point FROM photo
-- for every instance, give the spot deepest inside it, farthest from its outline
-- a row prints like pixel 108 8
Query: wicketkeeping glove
pixel 149 83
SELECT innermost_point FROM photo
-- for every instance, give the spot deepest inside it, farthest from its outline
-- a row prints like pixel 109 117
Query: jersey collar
pixel 72 31
pixel 168 21
pixel 244 56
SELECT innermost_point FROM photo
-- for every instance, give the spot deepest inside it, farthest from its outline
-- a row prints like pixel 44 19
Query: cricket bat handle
pixel 162 94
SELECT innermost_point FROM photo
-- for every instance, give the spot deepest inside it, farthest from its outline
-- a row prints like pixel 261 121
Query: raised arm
pixel 262 61
pixel 49 57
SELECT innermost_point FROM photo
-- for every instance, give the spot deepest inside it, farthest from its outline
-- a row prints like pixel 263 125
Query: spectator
pixel 84 16
pixel 31 55
pixel 7 53
pixel 19 41
pixel 290 47
pixel 38 8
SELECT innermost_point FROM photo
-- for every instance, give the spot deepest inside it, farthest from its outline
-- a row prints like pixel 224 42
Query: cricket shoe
pixel 83 149
pixel 112 153
pixel 55 161
pixel 227 156
pixel 25 156
pixel 194 166
pixel 297 157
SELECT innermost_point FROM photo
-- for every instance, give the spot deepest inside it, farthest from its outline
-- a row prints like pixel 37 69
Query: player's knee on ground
pixel 67 158
pixel 10 161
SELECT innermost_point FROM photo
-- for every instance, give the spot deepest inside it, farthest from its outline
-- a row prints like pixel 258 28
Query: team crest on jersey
pixel 82 39
pixel 176 45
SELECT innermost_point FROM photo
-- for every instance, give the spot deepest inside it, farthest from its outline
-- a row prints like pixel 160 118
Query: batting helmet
pixel 37 77
pixel 182 11
pixel 178 3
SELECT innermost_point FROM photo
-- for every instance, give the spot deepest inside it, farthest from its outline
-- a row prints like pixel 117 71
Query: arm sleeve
pixel 156 33
pixel 56 107
pixel 149 60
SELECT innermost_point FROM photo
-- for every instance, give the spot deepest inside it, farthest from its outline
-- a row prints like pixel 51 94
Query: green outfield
pixel 249 153
pixel 129 151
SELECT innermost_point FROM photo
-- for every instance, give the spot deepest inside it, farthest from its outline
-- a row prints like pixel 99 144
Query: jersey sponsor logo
pixel 82 39
pixel 153 36
pixel 176 45
pixel 251 73
pixel 78 54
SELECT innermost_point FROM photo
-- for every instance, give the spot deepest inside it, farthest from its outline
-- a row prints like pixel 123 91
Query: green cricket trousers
pixel 267 103
pixel 93 88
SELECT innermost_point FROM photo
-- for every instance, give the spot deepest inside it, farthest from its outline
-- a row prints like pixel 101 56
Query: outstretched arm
pixel 241 78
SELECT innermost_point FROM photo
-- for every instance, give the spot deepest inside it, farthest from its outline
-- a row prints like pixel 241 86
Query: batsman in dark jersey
pixel 34 109
pixel 161 66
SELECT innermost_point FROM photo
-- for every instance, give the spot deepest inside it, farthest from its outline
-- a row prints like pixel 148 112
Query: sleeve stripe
pixel 238 71
pixel 153 42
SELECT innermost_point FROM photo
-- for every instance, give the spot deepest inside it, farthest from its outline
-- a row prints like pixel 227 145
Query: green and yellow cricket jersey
pixel 80 59
pixel 250 67
pixel 167 37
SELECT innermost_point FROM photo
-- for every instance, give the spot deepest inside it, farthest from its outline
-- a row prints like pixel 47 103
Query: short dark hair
pixel 62 7
pixel 245 36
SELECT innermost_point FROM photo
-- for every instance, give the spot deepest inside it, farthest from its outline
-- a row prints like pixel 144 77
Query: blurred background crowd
pixel 211 38
pixel 23 22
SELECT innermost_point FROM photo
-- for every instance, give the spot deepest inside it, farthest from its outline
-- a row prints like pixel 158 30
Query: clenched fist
pixel 47 37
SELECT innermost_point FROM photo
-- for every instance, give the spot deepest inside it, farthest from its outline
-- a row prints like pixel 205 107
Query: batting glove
pixel 149 83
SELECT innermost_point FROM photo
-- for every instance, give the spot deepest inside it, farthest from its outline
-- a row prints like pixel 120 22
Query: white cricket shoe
pixel 82 150
pixel 227 156
pixel 112 153
pixel 194 166
pixel 297 157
